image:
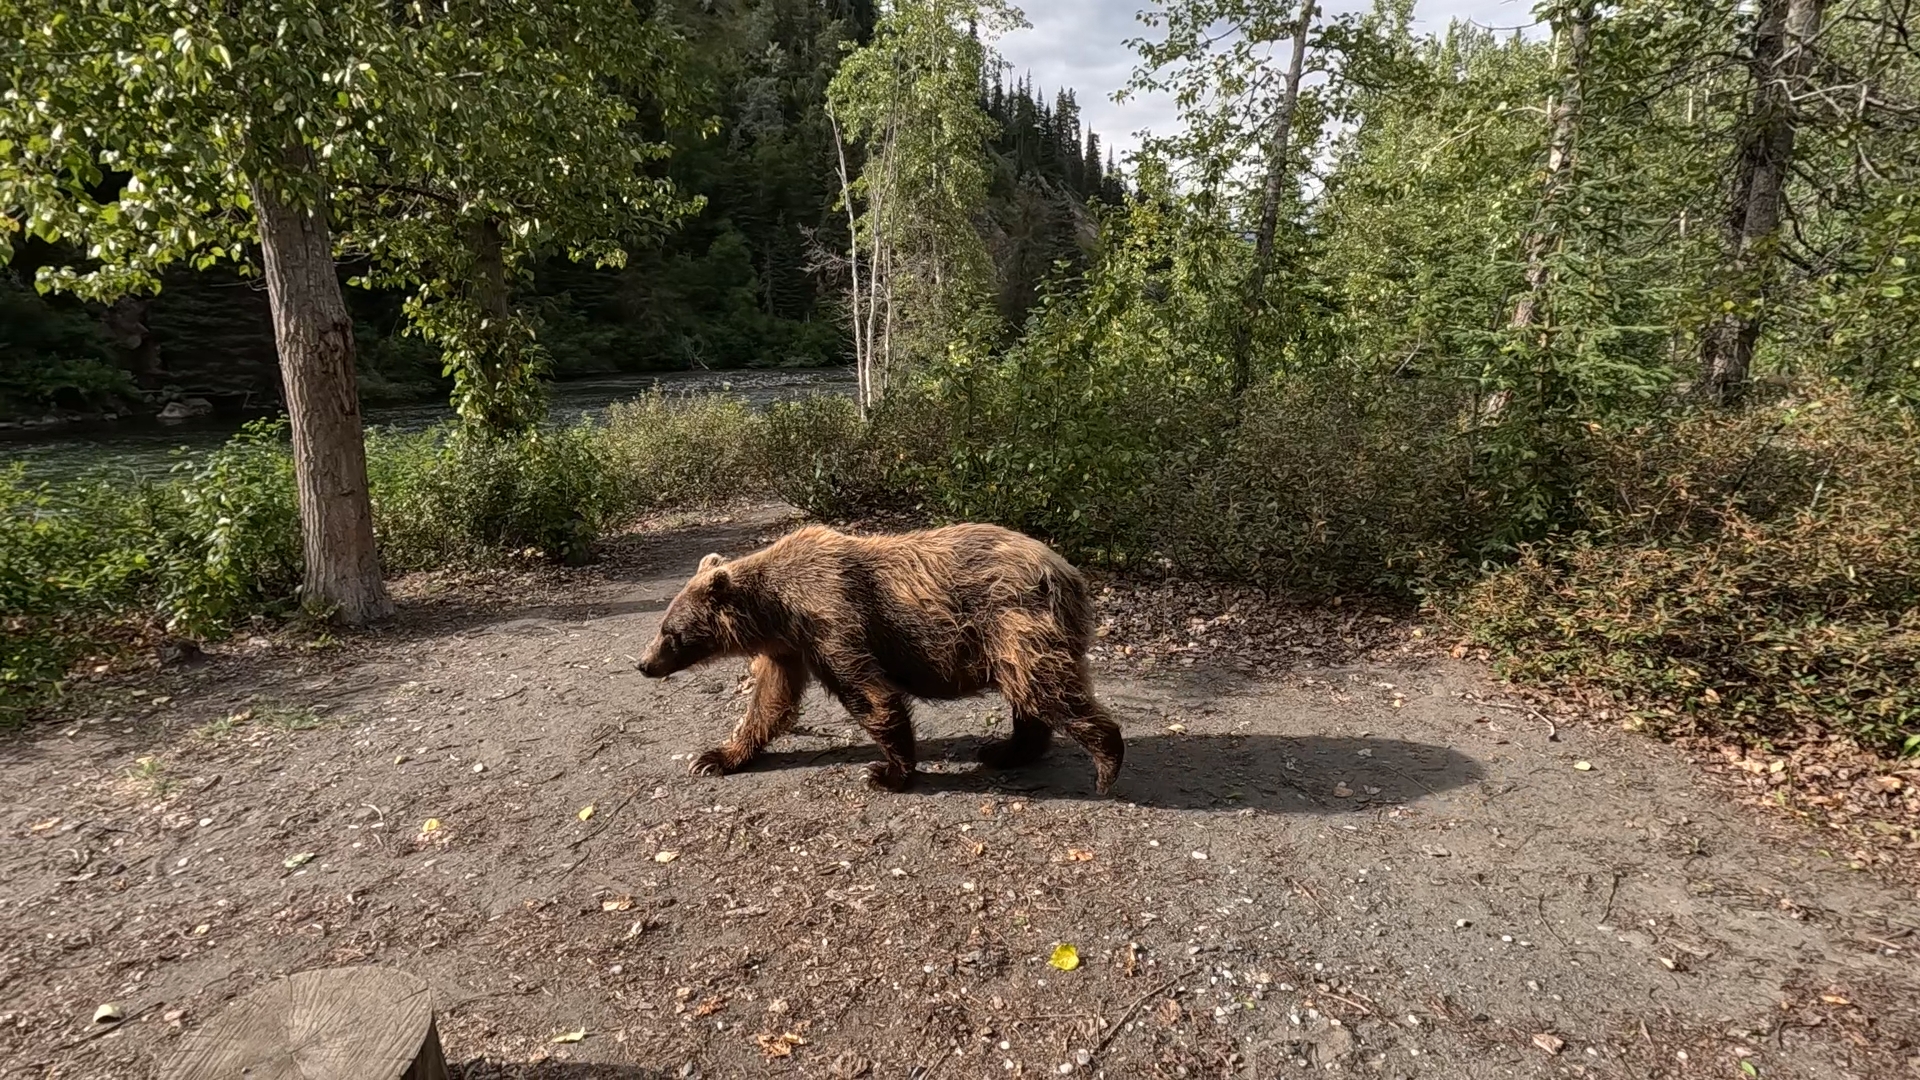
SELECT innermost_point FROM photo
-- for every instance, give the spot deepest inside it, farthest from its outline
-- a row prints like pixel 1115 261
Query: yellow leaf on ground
pixel 1065 957
pixel 571 1036
pixel 433 824
pixel 665 856
pixel 778 1046
pixel 585 812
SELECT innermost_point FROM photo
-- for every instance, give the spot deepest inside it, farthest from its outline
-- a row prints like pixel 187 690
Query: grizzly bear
pixel 878 620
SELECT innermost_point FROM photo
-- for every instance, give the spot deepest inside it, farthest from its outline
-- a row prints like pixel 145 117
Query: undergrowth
pixel 1754 573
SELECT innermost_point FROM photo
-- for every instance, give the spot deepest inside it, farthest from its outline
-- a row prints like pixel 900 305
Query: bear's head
pixel 701 624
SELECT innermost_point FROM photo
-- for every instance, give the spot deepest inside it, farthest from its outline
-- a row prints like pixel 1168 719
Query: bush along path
pixel 1334 848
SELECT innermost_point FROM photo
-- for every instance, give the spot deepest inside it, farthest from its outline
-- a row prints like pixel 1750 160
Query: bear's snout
pixel 650 664
pixel 659 661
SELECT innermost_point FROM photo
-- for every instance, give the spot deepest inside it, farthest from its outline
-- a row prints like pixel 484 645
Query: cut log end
pixel 360 1023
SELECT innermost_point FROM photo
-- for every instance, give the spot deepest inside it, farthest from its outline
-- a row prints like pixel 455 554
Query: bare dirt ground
pixel 1341 852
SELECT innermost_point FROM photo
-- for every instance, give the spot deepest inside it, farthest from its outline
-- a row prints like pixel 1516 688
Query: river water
pixel 146 446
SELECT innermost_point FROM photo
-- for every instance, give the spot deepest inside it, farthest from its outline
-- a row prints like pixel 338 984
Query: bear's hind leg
pixel 887 718
pixel 777 687
pixel 1030 739
pixel 1067 703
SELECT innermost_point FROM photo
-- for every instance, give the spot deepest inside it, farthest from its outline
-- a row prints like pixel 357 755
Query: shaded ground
pixel 1341 854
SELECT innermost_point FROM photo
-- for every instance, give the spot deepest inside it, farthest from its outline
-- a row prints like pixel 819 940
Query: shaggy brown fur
pixel 879 620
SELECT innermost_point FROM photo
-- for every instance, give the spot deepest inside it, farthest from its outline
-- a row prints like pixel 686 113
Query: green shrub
pixel 1326 485
pixel 1757 575
pixel 817 454
pixel 691 452
pixel 441 496
pixel 45 562
pixel 90 561
pixel 234 547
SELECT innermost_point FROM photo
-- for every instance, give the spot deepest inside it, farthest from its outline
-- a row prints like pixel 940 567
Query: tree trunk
pixel 499 393
pixel 1564 122
pixel 1781 63
pixel 490 290
pixel 1279 173
pixel 862 347
pixel 315 339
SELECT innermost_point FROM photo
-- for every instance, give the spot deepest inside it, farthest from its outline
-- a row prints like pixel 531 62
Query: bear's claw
pixel 711 763
pixel 886 779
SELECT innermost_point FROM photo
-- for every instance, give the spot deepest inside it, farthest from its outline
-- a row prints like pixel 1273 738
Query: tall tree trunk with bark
pixel 1279 175
pixel 1563 132
pixel 315 339
pixel 1782 61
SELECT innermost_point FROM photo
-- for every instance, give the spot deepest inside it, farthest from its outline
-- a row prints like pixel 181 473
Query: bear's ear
pixel 710 562
pixel 721 583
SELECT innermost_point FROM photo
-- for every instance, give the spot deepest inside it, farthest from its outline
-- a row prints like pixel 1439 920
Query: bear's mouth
pixel 659 661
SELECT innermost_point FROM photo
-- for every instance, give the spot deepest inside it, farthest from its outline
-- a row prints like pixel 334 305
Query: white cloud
pixel 1082 44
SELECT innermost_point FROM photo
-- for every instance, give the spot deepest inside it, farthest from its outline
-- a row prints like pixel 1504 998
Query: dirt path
pixel 1357 869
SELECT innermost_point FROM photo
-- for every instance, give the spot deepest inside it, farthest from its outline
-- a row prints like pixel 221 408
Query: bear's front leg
pixel 888 720
pixel 778 684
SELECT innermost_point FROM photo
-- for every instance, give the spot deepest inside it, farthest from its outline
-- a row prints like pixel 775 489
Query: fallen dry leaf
pixel 1342 791
pixel 302 859
pixel 571 1036
pixel 45 825
pixel 432 825
pixel 665 856
pixel 1169 1012
pixel 710 1006
pixel 1552 1044
pixel 622 903
pixel 1583 766
pixel 1065 957
pixel 585 812
pixel 1079 854
pixel 778 1046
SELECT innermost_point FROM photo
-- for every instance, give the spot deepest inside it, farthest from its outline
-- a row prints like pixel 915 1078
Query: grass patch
pixel 151 777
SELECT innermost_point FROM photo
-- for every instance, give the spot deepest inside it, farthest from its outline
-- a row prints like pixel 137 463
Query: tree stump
pixel 359 1023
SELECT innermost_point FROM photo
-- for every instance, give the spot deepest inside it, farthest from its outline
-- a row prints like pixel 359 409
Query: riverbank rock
pixel 187 409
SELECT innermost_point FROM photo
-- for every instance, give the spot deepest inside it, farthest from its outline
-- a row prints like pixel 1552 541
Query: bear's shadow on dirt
pixel 1274 774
